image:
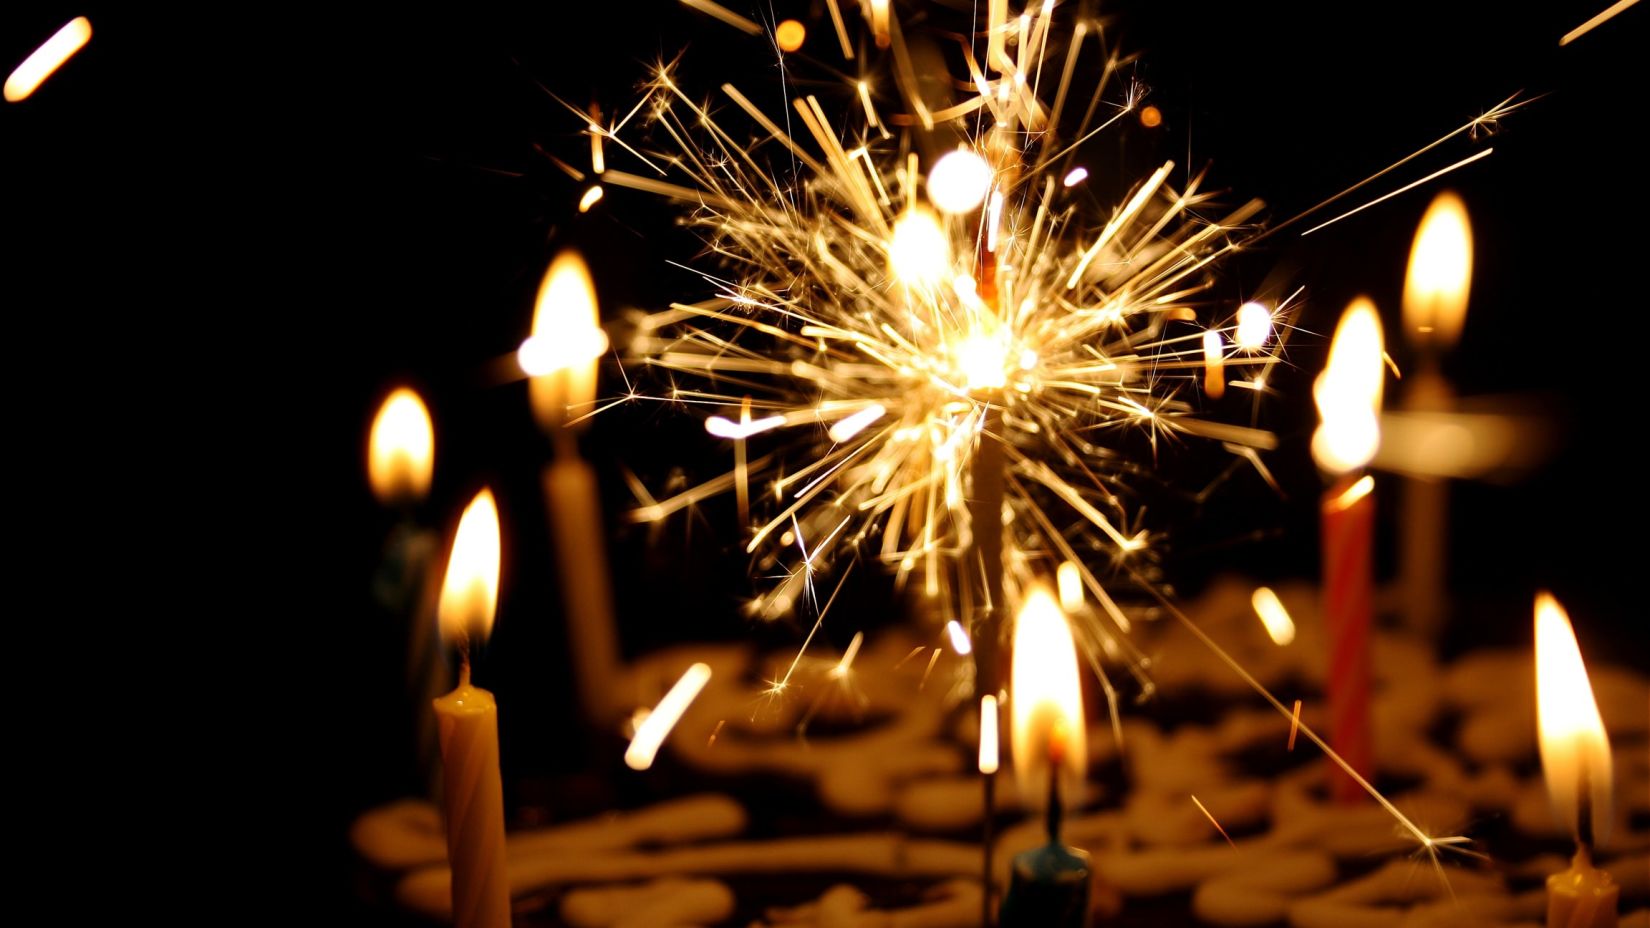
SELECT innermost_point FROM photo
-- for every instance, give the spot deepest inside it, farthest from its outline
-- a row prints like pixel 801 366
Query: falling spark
pixel 1596 21
pixel 929 670
pixel 846 665
pixel 959 638
pixel 1404 189
pixel 988 734
pixel 1204 809
pixel 1279 626
pixel 715 733
pixel 1075 177
pixel 46 59
pixel 590 198
pixel 1294 725
pixel 658 724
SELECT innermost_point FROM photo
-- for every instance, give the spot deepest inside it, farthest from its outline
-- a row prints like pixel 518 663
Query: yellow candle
pixel 1582 897
pixel 472 796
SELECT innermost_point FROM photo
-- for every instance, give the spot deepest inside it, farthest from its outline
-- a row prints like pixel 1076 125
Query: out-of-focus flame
pixel 401 449
pixel 1279 626
pixel 1254 326
pixel 988 733
pixel 653 730
pixel 1214 365
pixel 1047 699
pixel 1348 392
pixel 919 251
pixel 469 593
pixel 46 59
pixel 1440 274
pixel 959 181
pixel 560 356
pixel 790 35
pixel 1575 754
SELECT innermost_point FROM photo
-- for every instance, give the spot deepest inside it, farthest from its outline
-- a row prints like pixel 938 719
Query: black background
pixel 230 235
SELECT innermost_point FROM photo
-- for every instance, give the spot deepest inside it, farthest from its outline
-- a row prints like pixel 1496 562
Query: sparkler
pixel 938 345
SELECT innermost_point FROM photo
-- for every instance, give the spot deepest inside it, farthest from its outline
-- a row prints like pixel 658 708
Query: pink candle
pixel 1348 394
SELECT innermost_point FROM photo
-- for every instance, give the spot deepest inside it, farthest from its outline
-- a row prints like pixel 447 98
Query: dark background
pixel 231 235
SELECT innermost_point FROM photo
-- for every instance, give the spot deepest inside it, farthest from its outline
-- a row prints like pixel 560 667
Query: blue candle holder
pixel 1049 888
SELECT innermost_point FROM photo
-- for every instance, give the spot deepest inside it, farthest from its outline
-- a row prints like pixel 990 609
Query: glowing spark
pixel 920 251
pixel 590 198
pixel 1404 189
pixel 841 29
pixel 710 8
pixel 652 732
pixel 847 428
pixel 988 735
pixel 598 159
pixel 929 669
pixel 846 665
pixel 727 428
pixel 1077 176
pixel 959 638
pixel 1123 218
pixel 1294 725
pixel 1279 626
pixel 959 181
pixel 715 732
pixel 1254 326
pixel 1204 809
pixel 46 59
pixel 790 35
pixel 1069 581
pixel 1214 365
pixel 870 110
pixel 1596 21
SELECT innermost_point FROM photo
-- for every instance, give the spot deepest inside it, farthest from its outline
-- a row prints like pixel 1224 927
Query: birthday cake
pixel 851 797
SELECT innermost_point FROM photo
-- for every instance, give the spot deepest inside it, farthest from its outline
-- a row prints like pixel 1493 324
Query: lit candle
pixel 1348 394
pixel 1435 306
pixel 472 795
pixel 1575 756
pixel 1049 886
pixel 400 464
pixel 560 357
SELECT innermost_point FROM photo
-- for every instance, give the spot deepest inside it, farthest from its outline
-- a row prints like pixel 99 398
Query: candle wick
pixel 464 660
pixel 1584 812
pixel 1054 809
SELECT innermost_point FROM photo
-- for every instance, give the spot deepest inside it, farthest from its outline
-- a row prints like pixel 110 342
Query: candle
pixel 1348 394
pixel 400 464
pixel 1575 757
pixel 560 357
pixel 1435 307
pixel 1049 886
pixel 472 796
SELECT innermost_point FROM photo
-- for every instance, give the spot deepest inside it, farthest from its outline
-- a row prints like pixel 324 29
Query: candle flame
pixel 1214 365
pixel 653 730
pixel 1348 392
pixel 988 735
pixel 46 59
pixel 1574 748
pixel 469 593
pixel 1047 699
pixel 401 449
pixel 567 339
pixel 959 181
pixel 1279 626
pixel 1440 274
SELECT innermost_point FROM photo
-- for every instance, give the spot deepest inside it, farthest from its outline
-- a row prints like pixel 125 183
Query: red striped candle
pixel 1348 394
pixel 1348 532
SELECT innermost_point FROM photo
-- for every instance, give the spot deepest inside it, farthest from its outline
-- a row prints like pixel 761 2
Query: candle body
pixel 1347 539
pixel 1049 888
pixel 473 800
pixel 581 551
pixel 1582 896
pixel 1425 521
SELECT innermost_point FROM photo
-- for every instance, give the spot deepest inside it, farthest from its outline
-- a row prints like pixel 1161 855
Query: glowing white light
pixel 1348 392
pixel 959 638
pixel 46 59
pixel 919 251
pixel 1254 326
pixel 1279 626
pixel 856 423
pixel 727 428
pixel 988 734
pixel 658 724
pixel 957 183
pixel 1077 176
